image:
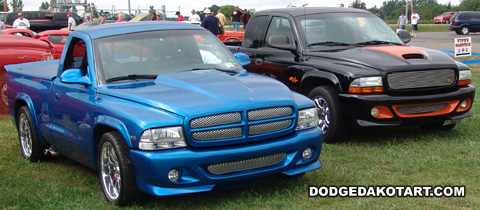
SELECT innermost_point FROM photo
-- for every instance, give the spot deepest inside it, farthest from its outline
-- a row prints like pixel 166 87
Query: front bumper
pixel 357 108
pixel 152 167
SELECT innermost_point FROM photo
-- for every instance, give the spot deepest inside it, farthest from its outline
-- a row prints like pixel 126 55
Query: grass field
pixel 371 157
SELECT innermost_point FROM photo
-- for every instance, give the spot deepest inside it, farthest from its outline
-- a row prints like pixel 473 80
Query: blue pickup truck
pixel 161 108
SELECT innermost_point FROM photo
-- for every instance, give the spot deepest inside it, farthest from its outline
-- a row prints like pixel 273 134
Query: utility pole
pixel 5 6
pixel 129 12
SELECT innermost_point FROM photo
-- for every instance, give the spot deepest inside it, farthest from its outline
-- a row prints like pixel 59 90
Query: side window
pixel 60 17
pixel 76 56
pixel 254 36
pixel 476 16
pixel 279 26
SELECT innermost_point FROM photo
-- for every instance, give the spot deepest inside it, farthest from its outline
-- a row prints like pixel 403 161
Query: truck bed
pixel 42 69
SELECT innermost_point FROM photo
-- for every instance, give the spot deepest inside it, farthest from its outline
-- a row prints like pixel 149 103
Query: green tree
pixel 44 6
pixel 2 5
pixel 469 5
pixel 227 10
pixel 359 4
pixel 17 5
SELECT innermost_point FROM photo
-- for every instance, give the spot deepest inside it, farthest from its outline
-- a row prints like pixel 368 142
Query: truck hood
pixel 387 58
pixel 200 91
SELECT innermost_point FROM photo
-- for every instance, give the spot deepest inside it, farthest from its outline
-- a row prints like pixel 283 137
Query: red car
pixel 57 38
pixel 231 36
pixel 443 18
pixel 19 32
pixel 19 49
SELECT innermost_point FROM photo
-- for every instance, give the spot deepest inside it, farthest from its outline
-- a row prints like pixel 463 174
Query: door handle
pixel 57 96
pixel 259 61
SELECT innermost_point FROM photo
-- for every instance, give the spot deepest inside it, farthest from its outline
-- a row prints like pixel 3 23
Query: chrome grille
pixel 268 127
pixel 421 79
pixel 241 124
pixel 421 108
pixel 218 134
pixel 221 119
pixel 231 167
pixel 261 114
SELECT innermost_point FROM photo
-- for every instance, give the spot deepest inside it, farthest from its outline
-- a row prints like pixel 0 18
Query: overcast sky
pixel 186 6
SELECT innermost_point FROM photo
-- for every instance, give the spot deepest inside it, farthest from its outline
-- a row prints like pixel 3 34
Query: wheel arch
pixel 318 78
pixel 104 124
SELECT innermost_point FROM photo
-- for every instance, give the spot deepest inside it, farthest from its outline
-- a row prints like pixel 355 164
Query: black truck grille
pixel 421 79
pixel 234 125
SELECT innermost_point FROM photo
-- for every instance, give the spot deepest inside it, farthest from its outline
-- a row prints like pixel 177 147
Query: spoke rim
pixel 25 136
pixel 110 169
pixel 323 113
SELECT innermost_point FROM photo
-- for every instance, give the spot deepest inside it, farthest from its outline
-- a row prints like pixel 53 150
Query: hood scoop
pixel 413 56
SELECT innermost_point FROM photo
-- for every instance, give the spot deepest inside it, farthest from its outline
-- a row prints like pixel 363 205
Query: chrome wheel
pixel 465 30
pixel 110 171
pixel 323 113
pixel 25 135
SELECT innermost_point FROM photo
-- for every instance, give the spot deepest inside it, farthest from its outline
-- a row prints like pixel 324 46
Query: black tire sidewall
pixel 38 149
pixel 331 97
pixel 129 192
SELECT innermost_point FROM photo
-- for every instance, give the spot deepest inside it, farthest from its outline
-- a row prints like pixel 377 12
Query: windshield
pixel 146 55
pixel 345 29
pixel 446 14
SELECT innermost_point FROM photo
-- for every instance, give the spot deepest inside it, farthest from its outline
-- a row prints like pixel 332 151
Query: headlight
pixel 464 77
pixel 307 118
pixel 366 85
pixel 162 138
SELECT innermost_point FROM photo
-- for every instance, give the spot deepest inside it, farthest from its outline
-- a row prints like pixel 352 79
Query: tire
pixel 465 30
pixel 30 146
pixel 116 171
pixel 330 120
pixel 458 32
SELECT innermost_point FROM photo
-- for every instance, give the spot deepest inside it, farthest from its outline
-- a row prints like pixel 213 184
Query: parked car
pixel 19 32
pixel 44 20
pixel 163 115
pixel 356 69
pixel 19 49
pixel 57 37
pixel 464 22
pixel 443 18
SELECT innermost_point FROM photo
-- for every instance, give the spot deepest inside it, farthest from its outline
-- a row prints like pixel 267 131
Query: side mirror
pixel 404 35
pixel 280 42
pixel 74 76
pixel 243 58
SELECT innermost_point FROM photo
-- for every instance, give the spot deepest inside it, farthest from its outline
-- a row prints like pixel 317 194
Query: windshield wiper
pixel 377 42
pixel 329 43
pixel 132 77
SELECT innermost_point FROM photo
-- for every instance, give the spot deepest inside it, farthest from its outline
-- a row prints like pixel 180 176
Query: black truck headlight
pixel 162 138
pixel 307 118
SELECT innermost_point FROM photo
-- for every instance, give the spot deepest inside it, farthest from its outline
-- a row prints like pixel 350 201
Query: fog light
pixel 464 104
pixel 174 175
pixel 375 112
pixel 307 154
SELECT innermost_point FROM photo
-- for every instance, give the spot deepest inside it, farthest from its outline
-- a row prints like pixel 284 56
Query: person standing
pixel 101 20
pixel 414 20
pixel 377 13
pixel 179 16
pixel 341 5
pixel 21 22
pixel 210 22
pixel 194 17
pixel 71 22
pixel 245 18
pixel 2 25
pixel 235 18
pixel 402 21
pixel 221 17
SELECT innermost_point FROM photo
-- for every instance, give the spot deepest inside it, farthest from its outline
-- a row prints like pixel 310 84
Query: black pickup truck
pixel 356 69
pixel 43 20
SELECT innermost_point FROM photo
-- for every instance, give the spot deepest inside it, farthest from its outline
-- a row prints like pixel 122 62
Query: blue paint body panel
pixel 70 117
